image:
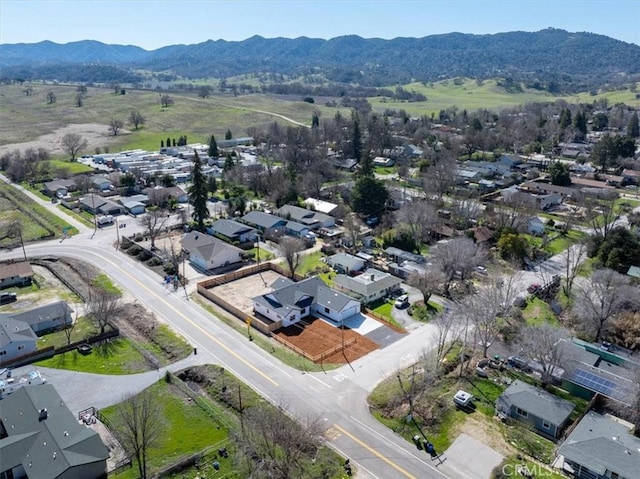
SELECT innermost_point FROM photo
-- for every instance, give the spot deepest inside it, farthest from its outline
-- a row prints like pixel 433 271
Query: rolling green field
pixel 473 96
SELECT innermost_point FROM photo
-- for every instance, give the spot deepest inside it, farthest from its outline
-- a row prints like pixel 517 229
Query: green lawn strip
pixel 187 429
pixel 104 283
pixel 538 312
pixel 384 170
pixel 35 190
pixel 71 167
pixel 116 356
pixel 83 328
pixel 277 350
pixel 83 217
pixel 530 443
pixel 310 263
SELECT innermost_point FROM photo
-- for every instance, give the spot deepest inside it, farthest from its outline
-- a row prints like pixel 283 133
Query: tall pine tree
pixel 633 129
pixel 199 193
pixel 213 148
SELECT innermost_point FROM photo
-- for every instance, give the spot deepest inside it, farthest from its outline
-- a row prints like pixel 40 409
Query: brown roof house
pixel 12 274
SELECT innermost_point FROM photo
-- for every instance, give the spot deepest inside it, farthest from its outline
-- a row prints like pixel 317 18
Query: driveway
pixel 471 458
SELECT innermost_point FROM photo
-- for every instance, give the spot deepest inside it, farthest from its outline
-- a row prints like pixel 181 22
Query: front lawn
pixel 538 312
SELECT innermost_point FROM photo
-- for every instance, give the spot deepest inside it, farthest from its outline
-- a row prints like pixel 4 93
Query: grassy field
pixel 470 95
pixel 24 118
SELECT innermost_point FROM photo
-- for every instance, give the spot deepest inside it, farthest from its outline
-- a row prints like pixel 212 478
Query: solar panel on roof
pixel 599 384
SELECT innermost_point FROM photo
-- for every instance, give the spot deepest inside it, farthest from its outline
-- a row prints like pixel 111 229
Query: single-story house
pixel 634 272
pixel 383 161
pixel 510 160
pixel 42 438
pixel 159 195
pixel 58 188
pixel 215 254
pixel 535 226
pixel 178 193
pixel 346 263
pixel 134 207
pixel 600 447
pixel 290 302
pixel 320 205
pixel 631 176
pixel 12 274
pixel 399 256
pixel 98 205
pixel 538 187
pixel 43 319
pixel 412 151
pixel 311 219
pixel 369 286
pixel 16 339
pixel 295 229
pixel 101 183
pixel 233 231
pixel 467 175
pixel 547 413
pixel 268 224
pixel 195 239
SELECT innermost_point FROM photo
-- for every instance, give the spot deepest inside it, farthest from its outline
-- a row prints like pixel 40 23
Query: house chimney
pixel 373 277
pixel 43 414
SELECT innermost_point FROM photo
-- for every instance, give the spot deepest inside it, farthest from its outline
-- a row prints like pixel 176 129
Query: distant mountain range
pixel 547 55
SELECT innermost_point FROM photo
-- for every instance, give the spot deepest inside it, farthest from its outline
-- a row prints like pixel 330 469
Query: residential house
pixel 537 187
pixel 630 177
pixel 600 447
pixel 215 254
pixel 15 274
pixel 535 226
pixel 291 302
pixel 464 176
pixel 412 151
pixel 313 220
pixel 134 207
pixel 270 226
pixel 510 160
pixel 194 239
pixel 97 205
pixel 346 263
pixel 159 195
pixel 295 229
pixel 383 161
pixel 547 413
pixel 58 188
pixel 634 272
pixel 320 205
pixel 398 255
pixel 16 339
pixel 47 318
pixel 41 438
pixel 101 183
pixel 233 231
pixel 178 193
pixel 368 286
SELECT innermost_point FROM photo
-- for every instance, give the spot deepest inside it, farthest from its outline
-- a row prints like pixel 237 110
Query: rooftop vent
pixel 43 414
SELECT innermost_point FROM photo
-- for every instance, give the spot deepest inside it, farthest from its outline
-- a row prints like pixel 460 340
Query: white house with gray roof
pixel 368 286
pixel 311 219
pixel 290 302
pixel 547 413
pixel 41 439
pixel 600 447
pixel 16 339
pixel 346 263
pixel 46 318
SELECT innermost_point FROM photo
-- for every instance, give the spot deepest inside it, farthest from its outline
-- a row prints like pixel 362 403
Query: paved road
pixel 338 396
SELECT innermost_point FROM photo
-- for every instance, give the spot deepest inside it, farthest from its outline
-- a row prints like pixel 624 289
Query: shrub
pixel 144 255
pixel 169 268
pixel 155 261
pixel 138 237
pixel 134 250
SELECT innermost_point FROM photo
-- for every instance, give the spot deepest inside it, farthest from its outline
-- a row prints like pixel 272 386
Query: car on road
pixel 519 362
pixel 402 301
pixel 6 298
pixel 533 287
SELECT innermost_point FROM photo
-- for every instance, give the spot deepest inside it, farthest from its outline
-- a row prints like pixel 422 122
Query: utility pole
pixel 117 234
pixel 240 408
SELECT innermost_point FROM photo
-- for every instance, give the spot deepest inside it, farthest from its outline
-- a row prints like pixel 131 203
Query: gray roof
pixel 347 261
pixel 230 228
pixel 262 219
pixel 211 250
pixel 295 226
pixel 372 280
pixel 303 215
pixel 48 312
pixel 48 447
pixel 14 330
pixel 290 296
pixel 538 402
pixel 602 443
pixel 195 239
pixel 92 201
pixel 132 204
pixel 405 255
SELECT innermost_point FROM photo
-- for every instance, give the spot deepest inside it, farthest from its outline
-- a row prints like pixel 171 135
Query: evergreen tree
pixel 168 142
pixel 369 196
pixel 559 173
pixel 213 148
pixel 366 166
pixel 161 143
pixel 580 122
pixel 199 193
pixel 356 140
pixel 212 184
pixel 315 120
pixel 633 129
pixel 228 135
pixel 228 163
pixel 565 118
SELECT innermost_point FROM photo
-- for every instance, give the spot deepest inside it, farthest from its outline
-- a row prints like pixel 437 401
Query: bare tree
pixel 166 100
pixel 513 213
pixel 153 222
pixel 428 283
pixel 83 183
pixel 79 100
pixel 68 328
pixel 353 226
pixel 73 143
pixel 602 214
pixel 51 98
pixel 204 91
pixel 291 249
pixel 14 230
pixel 419 217
pixel 102 307
pixel 574 255
pixel 448 329
pixel 274 445
pixel 605 295
pixel 465 209
pixel 139 422
pixel 456 257
pixel 136 119
pixel 115 126
pixel 546 345
pixel 440 176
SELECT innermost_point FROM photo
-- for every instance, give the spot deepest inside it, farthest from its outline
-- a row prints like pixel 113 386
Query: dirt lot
pixel 240 292
pixel 317 336
pixel 97 135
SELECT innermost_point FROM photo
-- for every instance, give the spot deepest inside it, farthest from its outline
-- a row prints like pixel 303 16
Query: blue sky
pixel 155 23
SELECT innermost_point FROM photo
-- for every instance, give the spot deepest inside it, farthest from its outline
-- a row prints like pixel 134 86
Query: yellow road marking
pixel 206 333
pixel 373 451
